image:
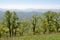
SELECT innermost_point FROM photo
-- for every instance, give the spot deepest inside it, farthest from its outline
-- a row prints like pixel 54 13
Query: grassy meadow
pixel 36 37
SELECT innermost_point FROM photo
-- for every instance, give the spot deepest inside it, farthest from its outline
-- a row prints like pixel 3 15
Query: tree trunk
pixel 34 30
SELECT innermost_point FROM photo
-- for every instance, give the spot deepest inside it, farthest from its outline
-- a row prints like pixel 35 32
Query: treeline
pixel 11 25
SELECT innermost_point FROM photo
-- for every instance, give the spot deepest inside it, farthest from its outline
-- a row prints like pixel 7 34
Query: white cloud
pixel 19 6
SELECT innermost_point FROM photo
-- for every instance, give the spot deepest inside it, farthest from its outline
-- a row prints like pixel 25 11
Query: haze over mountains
pixel 27 13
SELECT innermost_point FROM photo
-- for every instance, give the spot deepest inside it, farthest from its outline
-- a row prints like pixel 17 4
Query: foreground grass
pixel 35 37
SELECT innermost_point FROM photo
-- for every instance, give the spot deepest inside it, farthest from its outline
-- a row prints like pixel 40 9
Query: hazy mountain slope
pixel 26 14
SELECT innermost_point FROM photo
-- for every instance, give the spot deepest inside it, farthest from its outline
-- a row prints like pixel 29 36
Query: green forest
pixel 48 23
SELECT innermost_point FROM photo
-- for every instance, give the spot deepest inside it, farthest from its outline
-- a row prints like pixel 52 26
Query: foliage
pixel 11 26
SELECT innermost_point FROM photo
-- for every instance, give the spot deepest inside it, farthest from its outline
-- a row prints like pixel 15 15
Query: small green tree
pixel 14 20
pixel 7 21
pixel 50 19
pixel 34 22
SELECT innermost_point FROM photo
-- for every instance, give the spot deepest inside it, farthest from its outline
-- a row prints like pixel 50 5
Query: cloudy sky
pixel 27 4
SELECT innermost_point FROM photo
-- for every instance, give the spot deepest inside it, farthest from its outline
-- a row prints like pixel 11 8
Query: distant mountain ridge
pixel 27 13
pixel 30 10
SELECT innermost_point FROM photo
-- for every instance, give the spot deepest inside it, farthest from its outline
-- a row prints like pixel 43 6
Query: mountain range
pixel 27 13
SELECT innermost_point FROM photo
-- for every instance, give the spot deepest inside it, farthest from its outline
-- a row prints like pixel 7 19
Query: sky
pixel 30 4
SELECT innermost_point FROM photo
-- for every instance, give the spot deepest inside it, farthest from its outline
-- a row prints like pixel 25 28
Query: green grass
pixel 36 37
